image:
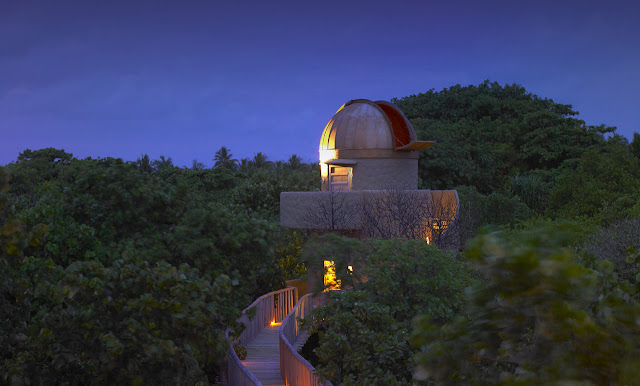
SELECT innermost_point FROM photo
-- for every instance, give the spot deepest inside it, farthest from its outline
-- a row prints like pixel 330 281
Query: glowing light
pixel 327 155
pixel 273 323
pixel 350 268
pixel 428 241
pixel 330 280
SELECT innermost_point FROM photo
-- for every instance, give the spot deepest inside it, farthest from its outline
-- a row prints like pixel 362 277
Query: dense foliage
pixel 364 332
pixel 542 316
pixel 129 272
pixel 556 295
pixel 514 156
pixel 118 272
pixel 604 183
pixel 489 132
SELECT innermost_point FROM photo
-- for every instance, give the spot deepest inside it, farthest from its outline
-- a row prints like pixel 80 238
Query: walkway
pixel 263 353
pixel 271 337
pixel 262 356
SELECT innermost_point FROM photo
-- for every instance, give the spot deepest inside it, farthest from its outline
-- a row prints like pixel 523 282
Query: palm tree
pixel 244 164
pixel 295 162
pixel 260 161
pixel 162 163
pixel 144 164
pixel 223 159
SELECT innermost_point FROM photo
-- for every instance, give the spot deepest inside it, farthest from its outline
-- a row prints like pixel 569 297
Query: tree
pixel 144 164
pixel 635 145
pixel 197 165
pixel 223 158
pixel 489 132
pixel 295 162
pixel 259 192
pixel 360 343
pixel 604 182
pixel 363 332
pixel 16 285
pixel 163 163
pixel 532 190
pixel 260 161
pixel 34 167
pixel 539 317
pixel 618 243
pixel 43 156
pixel 131 282
pixel 132 322
pixel 244 164
pixel 288 249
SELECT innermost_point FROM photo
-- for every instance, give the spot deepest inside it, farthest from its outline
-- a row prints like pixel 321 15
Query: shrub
pixel 127 279
pixel 603 184
pixel 133 322
pixel 392 281
pixel 495 210
pixel 541 317
pixel 619 243
pixel 360 343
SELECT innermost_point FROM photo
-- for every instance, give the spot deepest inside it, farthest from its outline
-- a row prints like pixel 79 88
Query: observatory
pixel 369 146
pixel 369 179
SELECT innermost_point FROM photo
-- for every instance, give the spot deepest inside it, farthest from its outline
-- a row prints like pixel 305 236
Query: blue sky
pixel 183 78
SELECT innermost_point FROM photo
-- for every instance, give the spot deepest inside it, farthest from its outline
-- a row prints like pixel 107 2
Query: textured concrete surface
pixel 343 210
pixel 375 169
pixel 380 174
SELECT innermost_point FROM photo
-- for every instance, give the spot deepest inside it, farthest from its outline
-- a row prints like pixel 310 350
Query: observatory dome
pixel 362 124
pixel 358 124
pixel 369 146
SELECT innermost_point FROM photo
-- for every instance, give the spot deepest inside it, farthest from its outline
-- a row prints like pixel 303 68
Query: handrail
pixel 294 369
pixel 270 308
pixel 234 372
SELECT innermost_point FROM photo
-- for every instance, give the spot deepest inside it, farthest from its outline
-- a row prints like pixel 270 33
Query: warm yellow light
pixel 428 241
pixel 327 155
pixel 330 280
pixel 350 268
pixel 273 323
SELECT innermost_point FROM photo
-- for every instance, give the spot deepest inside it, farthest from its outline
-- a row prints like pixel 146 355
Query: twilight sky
pixel 182 78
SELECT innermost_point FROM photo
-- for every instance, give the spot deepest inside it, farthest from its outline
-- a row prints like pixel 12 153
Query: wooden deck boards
pixel 263 355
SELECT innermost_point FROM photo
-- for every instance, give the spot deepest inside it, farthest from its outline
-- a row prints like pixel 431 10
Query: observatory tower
pixel 369 179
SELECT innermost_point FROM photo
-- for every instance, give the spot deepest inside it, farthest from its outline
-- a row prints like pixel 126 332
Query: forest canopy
pixel 129 272
pixel 488 133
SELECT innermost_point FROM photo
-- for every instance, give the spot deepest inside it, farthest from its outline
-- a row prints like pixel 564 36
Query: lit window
pixel 330 280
